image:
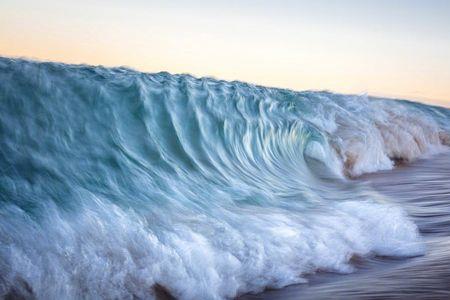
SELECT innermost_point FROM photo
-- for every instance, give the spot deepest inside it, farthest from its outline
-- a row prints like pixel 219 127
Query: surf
pixel 115 182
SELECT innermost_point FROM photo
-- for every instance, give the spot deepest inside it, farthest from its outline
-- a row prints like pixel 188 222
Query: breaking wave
pixel 121 184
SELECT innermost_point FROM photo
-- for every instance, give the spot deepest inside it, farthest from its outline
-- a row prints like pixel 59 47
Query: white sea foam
pixel 372 135
pixel 108 252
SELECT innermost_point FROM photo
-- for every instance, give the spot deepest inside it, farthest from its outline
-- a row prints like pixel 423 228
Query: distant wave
pixel 115 181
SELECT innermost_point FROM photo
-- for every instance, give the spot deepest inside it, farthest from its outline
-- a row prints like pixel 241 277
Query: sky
pixel 393 48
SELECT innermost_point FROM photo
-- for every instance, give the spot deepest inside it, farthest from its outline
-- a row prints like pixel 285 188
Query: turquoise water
pixel 114 181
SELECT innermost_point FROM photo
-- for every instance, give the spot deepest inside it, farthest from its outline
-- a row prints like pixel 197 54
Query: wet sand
pixel 423 190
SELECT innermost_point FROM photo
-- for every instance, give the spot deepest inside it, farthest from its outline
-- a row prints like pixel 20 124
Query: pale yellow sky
pixel 397 49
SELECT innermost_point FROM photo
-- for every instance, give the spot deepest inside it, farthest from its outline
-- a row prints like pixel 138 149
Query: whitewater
pixel 121 184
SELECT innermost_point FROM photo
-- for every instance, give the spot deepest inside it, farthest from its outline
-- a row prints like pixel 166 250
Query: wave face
pixel 115 182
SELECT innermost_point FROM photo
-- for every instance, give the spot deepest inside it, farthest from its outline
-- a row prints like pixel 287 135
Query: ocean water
pixel 422 188
pixel 121 184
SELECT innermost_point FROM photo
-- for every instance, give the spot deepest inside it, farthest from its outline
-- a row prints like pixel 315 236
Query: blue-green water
pixel 114 181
